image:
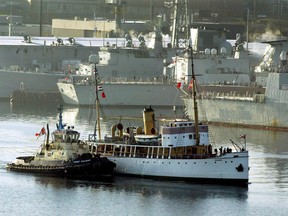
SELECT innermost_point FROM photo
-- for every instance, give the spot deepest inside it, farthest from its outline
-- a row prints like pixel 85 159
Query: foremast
pixel 194 94
pixel 94 59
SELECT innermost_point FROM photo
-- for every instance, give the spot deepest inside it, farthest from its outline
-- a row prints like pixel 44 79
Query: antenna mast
pixel 180 24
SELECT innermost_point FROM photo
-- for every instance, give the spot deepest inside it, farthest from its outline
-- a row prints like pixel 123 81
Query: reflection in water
pixel 123 196
pixel 149 187
pixel 268 154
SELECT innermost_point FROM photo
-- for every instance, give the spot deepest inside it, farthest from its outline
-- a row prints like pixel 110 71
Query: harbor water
pixel 26 194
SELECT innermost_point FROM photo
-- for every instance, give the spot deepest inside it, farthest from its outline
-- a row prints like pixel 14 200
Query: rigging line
pixel 221 112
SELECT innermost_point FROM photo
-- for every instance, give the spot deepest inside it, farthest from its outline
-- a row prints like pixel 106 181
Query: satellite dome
pixel 223 50
pixel 207 51
pixel 213 51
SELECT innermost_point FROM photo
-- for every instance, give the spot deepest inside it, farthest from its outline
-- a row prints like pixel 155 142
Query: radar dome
pixel 94 58
pixel 207 51
pixel 213 51
pixel 223 50
pixel 227 46
pixel 283 55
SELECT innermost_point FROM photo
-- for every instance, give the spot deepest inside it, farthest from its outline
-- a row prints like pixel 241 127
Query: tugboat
pixel 65 156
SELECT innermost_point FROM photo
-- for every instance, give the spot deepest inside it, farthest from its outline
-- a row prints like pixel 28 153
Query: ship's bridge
pixel 182 133
pixel 67 136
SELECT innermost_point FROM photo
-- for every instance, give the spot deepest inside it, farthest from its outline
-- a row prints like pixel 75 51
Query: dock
pixel 20 98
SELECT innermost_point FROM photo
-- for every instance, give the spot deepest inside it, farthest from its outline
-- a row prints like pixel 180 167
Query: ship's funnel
pixel 149 121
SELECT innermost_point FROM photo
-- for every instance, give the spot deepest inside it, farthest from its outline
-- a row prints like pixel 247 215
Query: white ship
pixel 181 150
pixel 145 79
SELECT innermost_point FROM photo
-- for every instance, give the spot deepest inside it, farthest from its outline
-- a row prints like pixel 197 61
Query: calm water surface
pixel 22 194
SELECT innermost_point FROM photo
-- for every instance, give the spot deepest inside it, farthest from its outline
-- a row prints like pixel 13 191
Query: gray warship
pixel 262 106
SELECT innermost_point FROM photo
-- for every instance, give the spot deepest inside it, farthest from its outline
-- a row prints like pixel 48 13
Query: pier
pixel 20 98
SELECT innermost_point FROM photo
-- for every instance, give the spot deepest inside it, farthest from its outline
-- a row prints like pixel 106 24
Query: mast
pixel 180 24
pixel 94 59
pixel 175 20
pixel 97 103
pixel 48 133
pixel 60 125
pixel 40 25
pixel 196 119
pixel 247 29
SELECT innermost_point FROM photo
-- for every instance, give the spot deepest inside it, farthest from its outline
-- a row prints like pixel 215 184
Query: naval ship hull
pixel 30 81
pixel 243 113
pixel 126 93
pixel 268 110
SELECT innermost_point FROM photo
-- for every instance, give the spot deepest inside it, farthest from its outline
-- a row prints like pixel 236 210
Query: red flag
pixel 190 86
pixel 103 95
pixel 180 84
pixel 42 132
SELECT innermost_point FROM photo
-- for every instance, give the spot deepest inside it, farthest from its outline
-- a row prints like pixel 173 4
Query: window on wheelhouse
pixel 72 137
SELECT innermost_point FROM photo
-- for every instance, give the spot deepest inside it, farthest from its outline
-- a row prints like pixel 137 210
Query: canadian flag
pixel 42 132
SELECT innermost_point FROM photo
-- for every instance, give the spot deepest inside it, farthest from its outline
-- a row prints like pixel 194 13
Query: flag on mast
pixel 42 132
pixel 103 95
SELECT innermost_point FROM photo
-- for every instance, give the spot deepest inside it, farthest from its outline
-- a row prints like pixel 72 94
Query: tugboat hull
pixel 88 168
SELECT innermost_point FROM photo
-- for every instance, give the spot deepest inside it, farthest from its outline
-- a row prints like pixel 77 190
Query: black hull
pixel 91 168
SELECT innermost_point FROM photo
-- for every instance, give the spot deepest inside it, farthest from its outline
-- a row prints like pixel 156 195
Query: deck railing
pixel 141 151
